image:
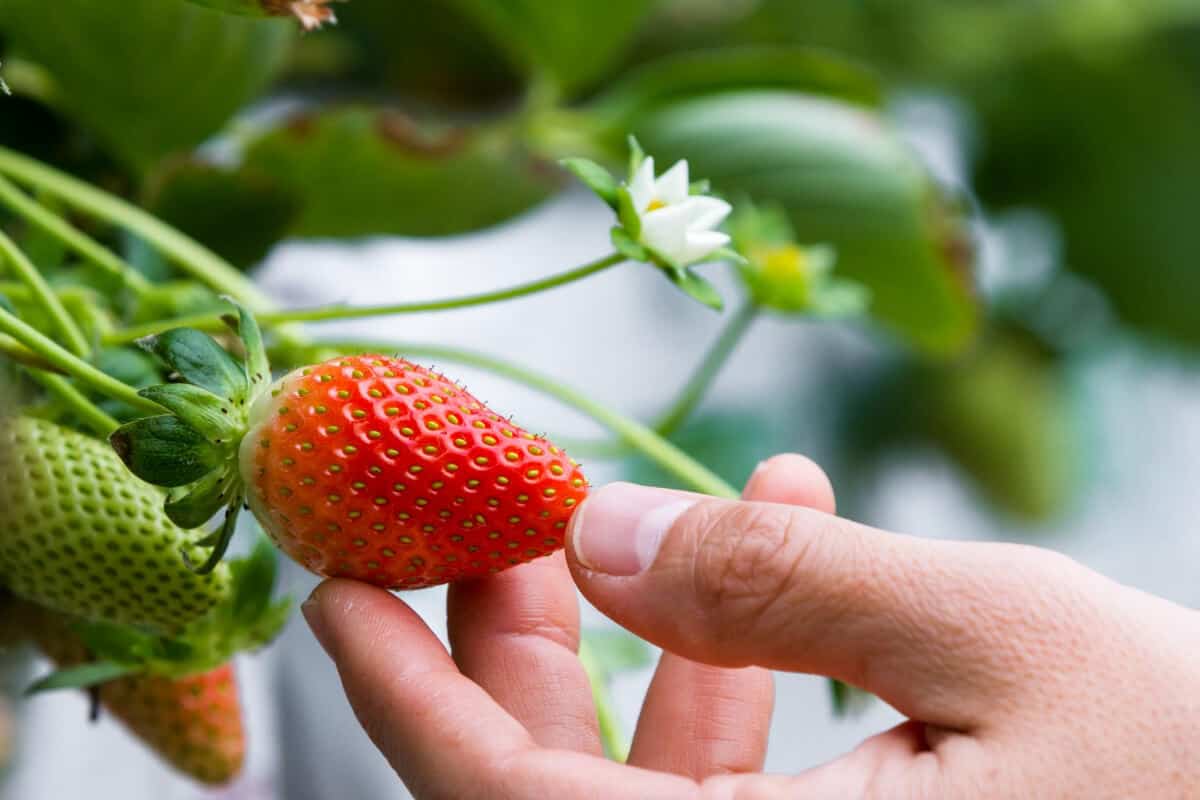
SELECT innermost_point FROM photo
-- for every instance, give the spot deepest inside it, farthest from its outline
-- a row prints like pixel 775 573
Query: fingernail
pixel 315 617
pixel 618 530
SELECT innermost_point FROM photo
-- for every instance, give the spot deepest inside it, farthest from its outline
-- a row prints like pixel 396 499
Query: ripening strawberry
pixel 84 537
pixel 194 723
pixel 367 467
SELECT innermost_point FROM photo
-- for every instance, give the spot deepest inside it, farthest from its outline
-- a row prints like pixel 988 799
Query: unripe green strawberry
pixel 374 468
pixel 84 537
pixel 367 467
pixel 194 722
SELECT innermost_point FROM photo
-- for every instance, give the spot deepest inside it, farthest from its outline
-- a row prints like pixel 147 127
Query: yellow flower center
pixel 782 263
pixel 655 204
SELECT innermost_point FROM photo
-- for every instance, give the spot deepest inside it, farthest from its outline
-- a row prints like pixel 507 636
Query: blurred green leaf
pixel 730 442
pixel 686 75
pixel 239 214
pixel 847 180
pixel 573 43
pixel 1110 147
pixel 148 76
pixel 616 651
pixel 1005 416
pixel 359 172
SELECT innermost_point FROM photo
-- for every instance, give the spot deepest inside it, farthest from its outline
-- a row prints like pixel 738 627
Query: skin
pixel 1022 673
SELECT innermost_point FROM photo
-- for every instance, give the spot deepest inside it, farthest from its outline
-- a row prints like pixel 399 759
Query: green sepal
pixel 219 540
pixel 82 677
pixel 697 287
pixel 595 177
pixel 727 254
pixel 195 504
pixel 626 246
pixel 631 221
pixel 256 366
pixel 164 450
pixel 200 361
pixel 636 154
pixel 209 415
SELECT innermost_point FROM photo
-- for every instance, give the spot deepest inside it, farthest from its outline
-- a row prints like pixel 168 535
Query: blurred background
pixel 1015 182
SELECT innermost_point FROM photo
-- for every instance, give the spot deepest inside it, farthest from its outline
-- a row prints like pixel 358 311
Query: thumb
pixel 735 583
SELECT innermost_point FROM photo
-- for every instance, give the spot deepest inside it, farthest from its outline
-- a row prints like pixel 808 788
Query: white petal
pixel 672 187
pixel 664 230
pixel 700 244
pixel 706 212
pixel 641 186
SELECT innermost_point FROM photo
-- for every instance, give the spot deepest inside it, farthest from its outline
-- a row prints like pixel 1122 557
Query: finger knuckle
pixel 748 559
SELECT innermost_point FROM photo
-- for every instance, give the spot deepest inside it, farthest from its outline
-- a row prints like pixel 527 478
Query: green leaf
pixel 149 77
pixel 254 581
pixel 627 247
pixel 848 700
pixel 200 361
pixel 688 75
pixel 359 172
pixel 846 179
pixel 112 642
pixel 697 287
pixel 574 43
pixel 595 177
pixel 240 214
pixel 209 415
pixel 164 450
pixel 82 677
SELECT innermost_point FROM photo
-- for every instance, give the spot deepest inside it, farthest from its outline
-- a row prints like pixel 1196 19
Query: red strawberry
pixel 374 468
pixel 194 722
pixel 367 467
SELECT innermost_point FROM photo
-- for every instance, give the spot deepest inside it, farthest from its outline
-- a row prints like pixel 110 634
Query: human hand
pixel 1023 674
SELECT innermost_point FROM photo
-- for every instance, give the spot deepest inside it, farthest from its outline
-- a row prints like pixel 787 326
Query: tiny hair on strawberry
pixel 367 466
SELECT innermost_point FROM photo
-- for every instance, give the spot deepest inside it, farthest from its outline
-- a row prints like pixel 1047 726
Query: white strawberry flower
pixel 676 225
pixel 663 220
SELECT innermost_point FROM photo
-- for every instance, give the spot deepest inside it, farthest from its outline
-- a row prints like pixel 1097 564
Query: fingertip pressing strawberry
pixel 367 467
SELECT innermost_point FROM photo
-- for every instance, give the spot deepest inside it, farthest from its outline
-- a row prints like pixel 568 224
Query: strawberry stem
pixel 212 322
pixel 44 296
pixel 186 253
pixel 638 436
pixel 62 359
pixel 693 392
pixel 698 385
pixel 76 401
pixel 41 217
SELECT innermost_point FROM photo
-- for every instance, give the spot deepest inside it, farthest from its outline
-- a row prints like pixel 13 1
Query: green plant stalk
pixel 75 400
pixel 698 385
pixel 638 436
pixel 693 391
pixel 62 359
pixel 11 348
pixel 44 296
pixel 212 322
pixel 186 253
pixel 611 737
pixel 41 217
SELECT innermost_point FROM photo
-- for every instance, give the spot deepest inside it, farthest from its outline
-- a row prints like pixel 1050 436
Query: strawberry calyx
pixel 192 451
pixel 247 621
